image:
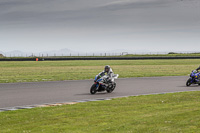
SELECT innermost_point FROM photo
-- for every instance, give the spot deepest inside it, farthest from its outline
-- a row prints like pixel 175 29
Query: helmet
pixel 107 68
pixel 195 71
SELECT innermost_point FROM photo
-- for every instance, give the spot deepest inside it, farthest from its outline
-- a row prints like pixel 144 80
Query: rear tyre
pixel 114 86
pixel 188 83
pixel 112 89
pixel 109 91
pixel 93 89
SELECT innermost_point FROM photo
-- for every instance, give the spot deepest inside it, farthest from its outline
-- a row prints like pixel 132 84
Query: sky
pixel 93 25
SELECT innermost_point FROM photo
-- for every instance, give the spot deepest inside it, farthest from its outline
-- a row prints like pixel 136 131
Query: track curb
pixel 77 101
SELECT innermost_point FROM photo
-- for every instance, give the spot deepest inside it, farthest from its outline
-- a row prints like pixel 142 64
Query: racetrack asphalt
pixel 37 93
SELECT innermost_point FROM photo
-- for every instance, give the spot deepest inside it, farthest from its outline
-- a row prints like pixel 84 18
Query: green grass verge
pixel 174 113
pixel 30 71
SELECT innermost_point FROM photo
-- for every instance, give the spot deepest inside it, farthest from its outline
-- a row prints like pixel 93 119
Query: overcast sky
pixel 92 25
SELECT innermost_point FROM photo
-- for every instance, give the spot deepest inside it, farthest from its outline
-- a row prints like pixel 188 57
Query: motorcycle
pixel 103 83
pixel 194 78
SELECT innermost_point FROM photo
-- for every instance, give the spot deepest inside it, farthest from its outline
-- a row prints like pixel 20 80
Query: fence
pixel 63 55
pixel 96 58
pixel 90 54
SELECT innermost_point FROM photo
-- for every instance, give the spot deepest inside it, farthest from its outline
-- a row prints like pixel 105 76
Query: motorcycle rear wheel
pixel 112 89
pixel 93 89
pixel 109 91
pixel 114 86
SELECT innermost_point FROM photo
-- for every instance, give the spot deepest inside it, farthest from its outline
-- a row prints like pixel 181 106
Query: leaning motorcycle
pixel 194 78
pixel 103 83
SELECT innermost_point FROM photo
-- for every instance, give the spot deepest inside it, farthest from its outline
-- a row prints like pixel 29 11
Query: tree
pixel 1 55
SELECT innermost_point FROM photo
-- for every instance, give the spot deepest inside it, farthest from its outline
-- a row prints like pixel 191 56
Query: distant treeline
pixel 1 55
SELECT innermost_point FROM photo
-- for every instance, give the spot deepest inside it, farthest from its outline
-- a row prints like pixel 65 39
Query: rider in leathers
pixel 198 71
pixel 108 70
pixel 198 68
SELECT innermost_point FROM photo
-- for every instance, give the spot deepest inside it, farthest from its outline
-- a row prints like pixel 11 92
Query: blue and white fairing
pixel 98 80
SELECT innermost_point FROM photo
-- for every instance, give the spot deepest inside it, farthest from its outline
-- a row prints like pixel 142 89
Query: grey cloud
pixel 31 14
pixel 11 3
pixel 92 19
pixel 134 4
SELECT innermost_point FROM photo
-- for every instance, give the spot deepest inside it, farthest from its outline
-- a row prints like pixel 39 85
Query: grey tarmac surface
pixel 23 94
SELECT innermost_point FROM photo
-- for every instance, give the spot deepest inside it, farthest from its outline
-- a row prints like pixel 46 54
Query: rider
pixel 198 72
pixel 107 70
pixel 198 68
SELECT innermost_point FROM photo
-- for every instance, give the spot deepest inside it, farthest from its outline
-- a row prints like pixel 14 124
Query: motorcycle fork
pixel 98 87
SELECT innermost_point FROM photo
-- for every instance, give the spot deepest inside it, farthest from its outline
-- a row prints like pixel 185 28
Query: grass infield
pixel 30 71
pixel 176 112
pixel 164 113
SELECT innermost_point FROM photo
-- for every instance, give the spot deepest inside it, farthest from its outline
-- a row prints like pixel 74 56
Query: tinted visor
pixel 107 69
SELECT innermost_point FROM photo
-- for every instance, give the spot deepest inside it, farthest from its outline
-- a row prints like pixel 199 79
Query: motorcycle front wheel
pixel 93 89
pixel 188 83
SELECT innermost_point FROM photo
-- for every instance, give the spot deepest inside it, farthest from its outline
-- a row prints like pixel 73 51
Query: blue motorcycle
pixel 103 83
pixel 194 78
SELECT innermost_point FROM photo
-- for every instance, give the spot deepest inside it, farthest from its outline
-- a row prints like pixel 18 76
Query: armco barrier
pixel 98 58
pixel 17 59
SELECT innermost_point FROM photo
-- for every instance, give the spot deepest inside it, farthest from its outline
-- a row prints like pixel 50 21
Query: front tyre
pixel 93 89
pixel 188 83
